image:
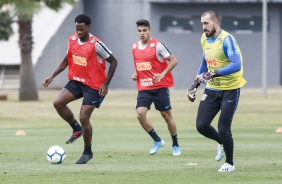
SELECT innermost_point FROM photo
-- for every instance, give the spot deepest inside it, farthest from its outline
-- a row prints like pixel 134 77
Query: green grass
pixel 121 147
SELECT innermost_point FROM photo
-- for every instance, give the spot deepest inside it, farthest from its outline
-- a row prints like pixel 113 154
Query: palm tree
pixel 23 11
pixel 5 25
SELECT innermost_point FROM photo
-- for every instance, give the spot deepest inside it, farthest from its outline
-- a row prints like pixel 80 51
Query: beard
pixel 212 32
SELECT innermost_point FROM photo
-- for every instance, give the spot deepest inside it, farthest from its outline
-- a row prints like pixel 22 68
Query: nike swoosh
pixel 167 107
pixel 94 101
pixel 230 100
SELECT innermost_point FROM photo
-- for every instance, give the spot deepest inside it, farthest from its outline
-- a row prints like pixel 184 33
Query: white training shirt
pixel 161 51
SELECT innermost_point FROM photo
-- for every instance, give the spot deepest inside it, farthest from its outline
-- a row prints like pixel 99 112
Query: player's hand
pixel 47 81
pixel 158 77
pixel 103 90
pixel 191 92
pixel 207 76
pixel 134 76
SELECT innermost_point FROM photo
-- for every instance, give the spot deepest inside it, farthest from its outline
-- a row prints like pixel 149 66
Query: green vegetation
pixel 121 147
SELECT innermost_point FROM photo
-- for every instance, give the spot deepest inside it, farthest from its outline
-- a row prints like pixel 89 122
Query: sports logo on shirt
pixel 145 82
pixel 79 60
pixel 143 66
pixel 73 37
pixel 92 40
pixel 152 45
pixel 134 46
pixel 212 62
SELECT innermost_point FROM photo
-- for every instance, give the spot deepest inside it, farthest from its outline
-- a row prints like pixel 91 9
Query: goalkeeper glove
pixel 207 76
pixel 191 92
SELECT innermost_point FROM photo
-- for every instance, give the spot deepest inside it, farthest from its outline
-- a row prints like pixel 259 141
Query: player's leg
pixel 173 131
pixel 68 94
pixel 85 114
pixel 229 105
pixel 91 101
pixel 143 120
pixel 142 106
pixel 162 103
pixel 207 110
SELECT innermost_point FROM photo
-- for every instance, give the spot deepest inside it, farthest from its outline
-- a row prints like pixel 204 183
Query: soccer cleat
pixel 156 147
pixel 74 137
pixel 84 158
pixel 227 168
pixel 176 151
pixel 219 152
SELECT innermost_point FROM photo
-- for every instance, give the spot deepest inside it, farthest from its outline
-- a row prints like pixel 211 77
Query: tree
pixel 22 11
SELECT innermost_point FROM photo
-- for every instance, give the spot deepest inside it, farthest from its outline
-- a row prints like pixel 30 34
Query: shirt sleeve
pixel 102 50
pixel 162 51
pixel 203 67
pixel 232 53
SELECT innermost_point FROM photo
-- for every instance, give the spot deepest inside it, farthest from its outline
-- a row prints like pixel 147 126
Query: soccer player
pixel 221 70
pixel 85 59
pixel 153 63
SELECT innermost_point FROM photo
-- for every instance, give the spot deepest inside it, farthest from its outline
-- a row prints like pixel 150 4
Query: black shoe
pixel 84 158
pixel 74 136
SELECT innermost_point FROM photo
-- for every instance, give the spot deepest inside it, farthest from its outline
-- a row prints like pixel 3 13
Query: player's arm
pixel 164 52
pixel 191 92
pixel 203 67
pixel 231 52
pixel 62 65
pixel 103 52
pixel 172 63
pixel 113 65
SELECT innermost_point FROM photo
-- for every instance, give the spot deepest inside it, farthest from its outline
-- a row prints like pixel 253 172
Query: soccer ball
pixel 56 154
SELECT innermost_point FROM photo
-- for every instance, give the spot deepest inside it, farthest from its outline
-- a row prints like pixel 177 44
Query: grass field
pixel 121 147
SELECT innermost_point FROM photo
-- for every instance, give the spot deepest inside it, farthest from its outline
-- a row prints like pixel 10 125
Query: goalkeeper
pixel 222 72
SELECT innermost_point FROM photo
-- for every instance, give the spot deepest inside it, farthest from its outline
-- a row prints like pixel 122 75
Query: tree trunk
pixel 28 89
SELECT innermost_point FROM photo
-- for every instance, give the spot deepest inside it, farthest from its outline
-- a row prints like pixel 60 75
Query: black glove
pixel 191 92
pixel 206 76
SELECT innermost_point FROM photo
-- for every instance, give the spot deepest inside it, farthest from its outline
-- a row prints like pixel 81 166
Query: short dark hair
pixel 83 19
pixel 143 22
pixel 212 13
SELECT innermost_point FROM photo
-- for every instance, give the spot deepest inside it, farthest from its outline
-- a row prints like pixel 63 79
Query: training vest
pixel 216 59
pixel 146 64
pixel 83 63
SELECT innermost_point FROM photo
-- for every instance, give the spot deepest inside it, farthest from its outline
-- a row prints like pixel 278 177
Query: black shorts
pixel 90 96
pixel 160 98
pixel 214 101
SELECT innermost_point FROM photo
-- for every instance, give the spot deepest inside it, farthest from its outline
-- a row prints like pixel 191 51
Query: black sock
pixel 229 162
pixel 76 127
pixel 154 135
pixel 174 140
pixel 87 150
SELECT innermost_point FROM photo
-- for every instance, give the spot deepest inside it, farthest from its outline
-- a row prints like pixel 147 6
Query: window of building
pixel 243 24
pixel 189 24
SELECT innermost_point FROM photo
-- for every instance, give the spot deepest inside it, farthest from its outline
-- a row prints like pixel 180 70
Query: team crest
pixel 204 97
pixel 152 45
pixel 92 40
pixel 73 37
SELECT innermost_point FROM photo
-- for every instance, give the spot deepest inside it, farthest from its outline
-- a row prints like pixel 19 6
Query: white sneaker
pixel 176 151
pixel 227 168
pixel 219 152
pixel 156 147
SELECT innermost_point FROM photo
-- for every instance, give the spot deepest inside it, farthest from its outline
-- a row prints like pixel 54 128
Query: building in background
pixel 177 24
